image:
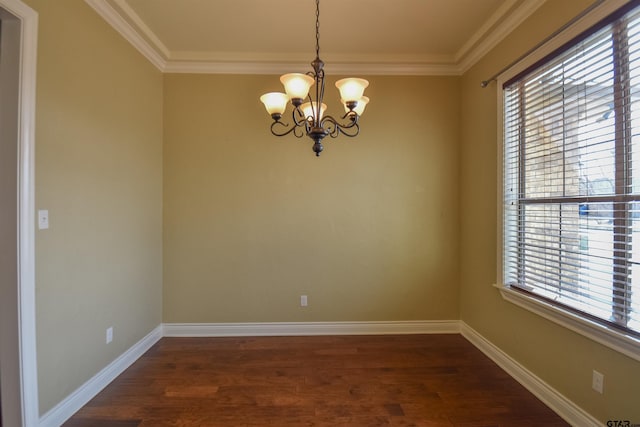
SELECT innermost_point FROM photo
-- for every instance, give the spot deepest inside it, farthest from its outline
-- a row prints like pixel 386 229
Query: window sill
pixel 625 344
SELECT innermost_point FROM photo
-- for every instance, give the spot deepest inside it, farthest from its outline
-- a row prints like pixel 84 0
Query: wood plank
pixel 403 380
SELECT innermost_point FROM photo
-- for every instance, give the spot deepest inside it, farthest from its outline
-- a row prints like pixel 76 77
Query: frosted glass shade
pixel 275 102
pixel 308 111
pixel 297 85
pixel 362 102
pixel 351 89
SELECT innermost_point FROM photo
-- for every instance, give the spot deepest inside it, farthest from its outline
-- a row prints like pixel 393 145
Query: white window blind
pixel 572 175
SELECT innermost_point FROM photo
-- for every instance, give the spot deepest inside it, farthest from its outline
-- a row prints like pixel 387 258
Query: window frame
pixel 601 333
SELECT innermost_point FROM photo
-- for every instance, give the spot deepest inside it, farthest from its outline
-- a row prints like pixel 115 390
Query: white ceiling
pixel 366 36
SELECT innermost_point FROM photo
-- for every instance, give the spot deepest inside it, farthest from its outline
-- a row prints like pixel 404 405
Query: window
pixel 571 213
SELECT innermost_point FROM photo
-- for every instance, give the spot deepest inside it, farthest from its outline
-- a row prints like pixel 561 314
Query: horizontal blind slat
pixel 572 177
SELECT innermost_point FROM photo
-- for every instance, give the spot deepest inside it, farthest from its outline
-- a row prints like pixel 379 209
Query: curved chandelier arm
pixel 334 128
pixel 298 118
pixel 278 124
pixel 300 122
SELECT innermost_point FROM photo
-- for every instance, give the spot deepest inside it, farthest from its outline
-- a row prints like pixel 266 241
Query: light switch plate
pixel 43 219
pixel 597 382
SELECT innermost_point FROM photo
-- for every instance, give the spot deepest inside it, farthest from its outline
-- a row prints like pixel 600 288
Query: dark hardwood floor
pixel 404 380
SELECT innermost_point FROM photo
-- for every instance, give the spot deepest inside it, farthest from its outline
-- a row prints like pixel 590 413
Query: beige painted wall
pixel 369 231
pixel 560 357
pixel 372 230
pixel 99 173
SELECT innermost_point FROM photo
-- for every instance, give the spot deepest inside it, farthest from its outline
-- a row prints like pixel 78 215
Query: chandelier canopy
pixel 308 117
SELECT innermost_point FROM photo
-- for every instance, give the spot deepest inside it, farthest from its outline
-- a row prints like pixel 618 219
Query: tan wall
pixel 558 356
pixel 372 230
pixel 369 231
pixel 99 173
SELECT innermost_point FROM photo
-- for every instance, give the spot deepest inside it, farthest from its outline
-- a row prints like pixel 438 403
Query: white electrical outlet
pixel 597 382
pixel 109 334
pixel 43 219
pixel 303 300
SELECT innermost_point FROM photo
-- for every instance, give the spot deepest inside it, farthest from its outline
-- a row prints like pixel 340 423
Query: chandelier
pixel 308 118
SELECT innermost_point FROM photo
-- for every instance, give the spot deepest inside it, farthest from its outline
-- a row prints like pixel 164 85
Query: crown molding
pixel 485 29
pixel 125 21
pixel 113 18
pixel 268 63
pixel 370 69
pixel 517 17
pixel 142 27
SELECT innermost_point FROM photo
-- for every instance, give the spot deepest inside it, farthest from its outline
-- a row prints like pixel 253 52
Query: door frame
pixel 26 210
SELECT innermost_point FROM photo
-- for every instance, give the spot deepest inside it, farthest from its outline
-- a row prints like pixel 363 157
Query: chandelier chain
pixel 317 28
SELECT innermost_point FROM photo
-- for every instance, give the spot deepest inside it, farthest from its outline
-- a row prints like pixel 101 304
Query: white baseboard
pixel 564 407
pixel 83 394
pixel 310 328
